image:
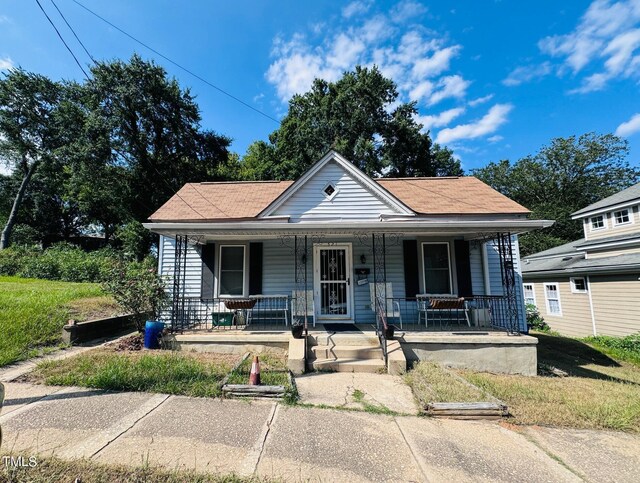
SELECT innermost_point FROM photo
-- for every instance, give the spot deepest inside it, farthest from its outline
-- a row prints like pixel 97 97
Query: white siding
pixel 352 201
pixel 193 274
pixel 477 274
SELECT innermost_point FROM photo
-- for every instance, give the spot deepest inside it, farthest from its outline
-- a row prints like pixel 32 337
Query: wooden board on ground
pixel 472 410
pixel 253 391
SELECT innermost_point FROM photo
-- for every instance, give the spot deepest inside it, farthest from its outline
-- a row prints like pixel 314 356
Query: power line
pixel 73 32
pixel 178 65
pixel 63 41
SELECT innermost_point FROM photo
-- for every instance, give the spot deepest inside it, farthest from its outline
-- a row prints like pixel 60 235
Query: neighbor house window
pixel 552 297
pixel 436 265
pixel 231 276
pixel 529 294
pixel 578 285
pixel 621 217
pixel 597 222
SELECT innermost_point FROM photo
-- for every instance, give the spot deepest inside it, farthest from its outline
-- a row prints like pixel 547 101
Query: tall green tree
pixel 154 131
pixel 563 177
pixel 357 116
pixel 30 131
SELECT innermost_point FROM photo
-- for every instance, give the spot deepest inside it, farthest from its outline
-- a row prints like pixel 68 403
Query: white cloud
pixel 495 139
pixel 356 8
pixel 439 120
pixel 450 86
pixel 629 127
pixel 527 73
pixel 6 63
pixel 480 100
pixel 488 124
pixel 416 59
pixel 407 9
pixel 5 19
pixel 437 63
pixel 606 36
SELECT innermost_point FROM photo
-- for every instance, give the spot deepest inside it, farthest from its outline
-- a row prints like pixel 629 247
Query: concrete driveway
pixel 301 444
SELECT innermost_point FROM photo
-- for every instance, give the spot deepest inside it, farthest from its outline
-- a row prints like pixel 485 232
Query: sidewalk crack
pixel 413 455
pixel 131 425
pixel 263 443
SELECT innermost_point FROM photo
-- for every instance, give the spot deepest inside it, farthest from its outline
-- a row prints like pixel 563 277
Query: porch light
pixel 363 259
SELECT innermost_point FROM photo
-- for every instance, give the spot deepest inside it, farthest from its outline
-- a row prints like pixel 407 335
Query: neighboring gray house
pixel 591 286
pixel 338 247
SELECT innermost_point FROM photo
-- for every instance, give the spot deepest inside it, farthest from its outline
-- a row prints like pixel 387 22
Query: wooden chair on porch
pixel 392 306
pixel 298 298
pixel 442 308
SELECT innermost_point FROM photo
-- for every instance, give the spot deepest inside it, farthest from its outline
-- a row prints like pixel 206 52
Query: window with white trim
pixel 579 285
pixel 231 275
pixel 529 294
pixel 436 268
pixel 621 217
pixel 597 222
pixel 552 298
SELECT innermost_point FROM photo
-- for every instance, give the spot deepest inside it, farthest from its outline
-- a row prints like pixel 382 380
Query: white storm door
pixel 332 277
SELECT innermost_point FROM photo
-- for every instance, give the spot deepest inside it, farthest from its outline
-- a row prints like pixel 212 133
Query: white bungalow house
pixel 437 259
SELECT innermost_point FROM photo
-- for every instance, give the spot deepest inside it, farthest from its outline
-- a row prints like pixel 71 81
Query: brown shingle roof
pixel 220 201
pixel 465 195
pixel 241 200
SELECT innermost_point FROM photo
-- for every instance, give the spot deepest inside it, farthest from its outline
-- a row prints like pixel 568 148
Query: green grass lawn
pixel 189 374
pixel 49 470
pixel 599 391
pixel 32 313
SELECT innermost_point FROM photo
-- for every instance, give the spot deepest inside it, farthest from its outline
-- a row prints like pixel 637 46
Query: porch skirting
pixel 495 352
pixel 229 342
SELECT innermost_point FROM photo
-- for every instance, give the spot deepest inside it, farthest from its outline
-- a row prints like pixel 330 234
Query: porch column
pixel 179 273
pixel 507 271
pixel 301 258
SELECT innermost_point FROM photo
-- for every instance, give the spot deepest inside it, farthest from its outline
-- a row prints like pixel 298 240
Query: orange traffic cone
pixel 254 377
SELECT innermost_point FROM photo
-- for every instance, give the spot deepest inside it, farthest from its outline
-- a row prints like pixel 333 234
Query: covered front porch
pixel 408 281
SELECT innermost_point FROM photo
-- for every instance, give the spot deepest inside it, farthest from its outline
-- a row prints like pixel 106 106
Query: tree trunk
pixel 6 233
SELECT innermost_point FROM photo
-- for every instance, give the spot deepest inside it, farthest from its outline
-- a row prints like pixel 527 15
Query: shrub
pixel 135 240
pixel 60 262
pixel 138 289
pixel 535 320
pixel 628 345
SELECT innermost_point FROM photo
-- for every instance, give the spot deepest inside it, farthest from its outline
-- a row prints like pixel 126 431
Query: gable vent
pixel 329 190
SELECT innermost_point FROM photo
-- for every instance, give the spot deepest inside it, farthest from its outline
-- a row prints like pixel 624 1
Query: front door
pixel 332 281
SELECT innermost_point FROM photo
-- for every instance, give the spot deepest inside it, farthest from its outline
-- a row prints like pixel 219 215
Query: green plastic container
pixel 222 319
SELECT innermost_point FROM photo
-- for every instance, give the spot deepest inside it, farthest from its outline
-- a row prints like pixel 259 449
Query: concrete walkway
pixel 269 439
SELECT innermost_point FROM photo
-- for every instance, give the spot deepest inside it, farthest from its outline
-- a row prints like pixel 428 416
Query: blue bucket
pixel 152 331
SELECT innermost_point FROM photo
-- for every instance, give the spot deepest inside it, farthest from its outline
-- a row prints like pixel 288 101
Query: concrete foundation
pixel 489 352
pixel 296 362
pixel 229 343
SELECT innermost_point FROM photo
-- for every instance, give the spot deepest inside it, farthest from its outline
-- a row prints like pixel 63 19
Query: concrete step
pixel 347 365
pixel 343 339
pixel 345 352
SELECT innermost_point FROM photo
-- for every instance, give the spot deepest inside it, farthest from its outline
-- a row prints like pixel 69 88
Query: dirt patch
pixel 92 308
pixel 131 343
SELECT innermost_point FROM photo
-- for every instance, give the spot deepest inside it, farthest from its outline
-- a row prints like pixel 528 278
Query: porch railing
pixel 477 313
pixel 258 312
pixel 275 312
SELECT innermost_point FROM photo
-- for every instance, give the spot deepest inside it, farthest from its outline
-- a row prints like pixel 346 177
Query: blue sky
pixel 492 79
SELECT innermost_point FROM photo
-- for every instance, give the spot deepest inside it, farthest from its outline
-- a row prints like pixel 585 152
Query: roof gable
pixel 356 196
